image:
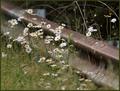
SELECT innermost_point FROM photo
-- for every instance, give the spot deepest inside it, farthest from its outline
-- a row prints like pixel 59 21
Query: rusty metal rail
pixel 90 44
pixel 98 75
pixel 96 47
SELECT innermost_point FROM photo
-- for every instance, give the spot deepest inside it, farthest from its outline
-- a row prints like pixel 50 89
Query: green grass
pixel 20 71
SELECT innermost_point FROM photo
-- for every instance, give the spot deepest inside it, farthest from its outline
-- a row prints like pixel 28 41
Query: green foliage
pixel 18 71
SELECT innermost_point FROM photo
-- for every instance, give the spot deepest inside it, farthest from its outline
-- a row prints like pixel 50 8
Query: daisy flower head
pixel 63 25
pixel 55 75
pixel 88 34
pixel 39 32
pixel 49 60
pixel 91 29
pixel 48 26
pixel 30 25
pixel 27 46
pixel 46 74
pixel 60 27
pixel 63 88
pixel 20 18
pixel 42 59
pixel 57 38
pixel 58 31
pixel 6 33
pixel 9 46
pixel 20 39
pixel 13 22
pixel 3 54
pixel 28 50
pixel 53 65
pixel 33 34
pixel 43 23
pixel 29 11
pixel 47 41
pixel 25 31
pixel 113 20
pixel 95 15
pixel 63 44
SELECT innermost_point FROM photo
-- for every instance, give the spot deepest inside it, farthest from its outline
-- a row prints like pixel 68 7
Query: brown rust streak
pixel 87 43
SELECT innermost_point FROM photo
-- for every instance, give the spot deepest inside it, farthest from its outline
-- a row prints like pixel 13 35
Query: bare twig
pixel 108 8
pixel 81 14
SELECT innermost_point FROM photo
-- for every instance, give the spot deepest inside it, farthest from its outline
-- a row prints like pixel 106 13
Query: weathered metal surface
pixel 98 74
pixel 87 43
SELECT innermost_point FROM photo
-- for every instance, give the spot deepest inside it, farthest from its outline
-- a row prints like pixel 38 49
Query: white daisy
pixel 55 75
pixel 63 24
pixel 62 62
pixel 57 31
pixel 90 29
pixel 113 20
pixel 27 46
pixel 30 25
pixel 33 34
pixel 42 59
pixel 20 39
pixel 3 54
pixel 88 34
pixel 60 27
pixel 63 44
pixel 46 74
pixel 39 32
pixel 13 22
pixel 43 23
pixel 9 46
pixel 63 88
pixel 49 60
pixel 6 33
pixel 47 41
pixel 57 38
pixel 25 31
pixel 48 26
pixel 28 50
pixel 29 11
pixel 53 65
pixel 19 18
pixel 95 15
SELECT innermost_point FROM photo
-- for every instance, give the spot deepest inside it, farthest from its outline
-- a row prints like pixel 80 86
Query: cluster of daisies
pixel 59 52
pixel 38 33
pixel 91 29
pixel 49 39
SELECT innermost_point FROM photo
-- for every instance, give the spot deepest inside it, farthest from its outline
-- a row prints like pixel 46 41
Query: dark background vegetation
pixel 67 12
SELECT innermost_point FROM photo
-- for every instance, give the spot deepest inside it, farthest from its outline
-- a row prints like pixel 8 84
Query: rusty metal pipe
pixel 94 46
